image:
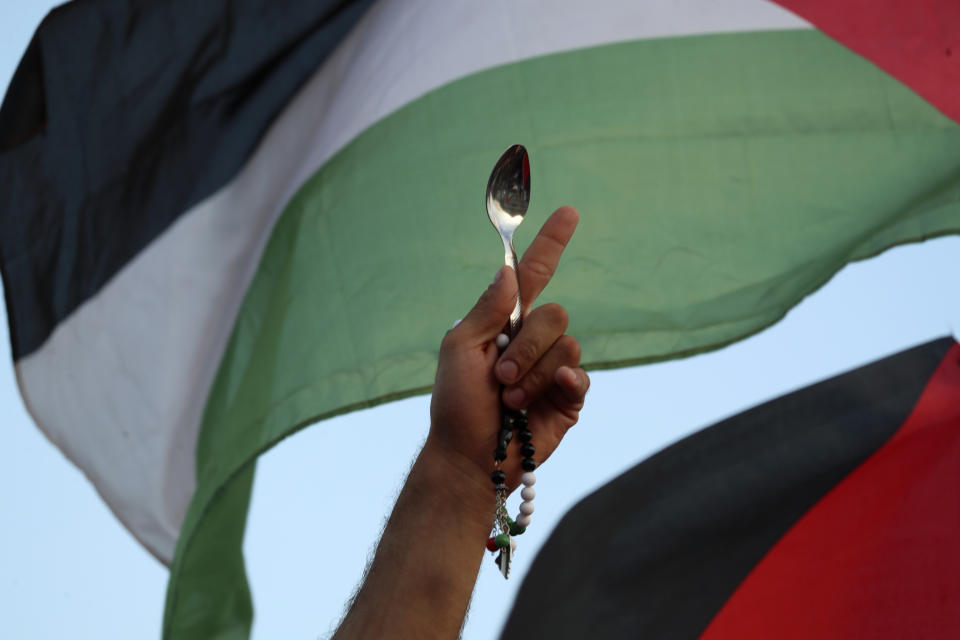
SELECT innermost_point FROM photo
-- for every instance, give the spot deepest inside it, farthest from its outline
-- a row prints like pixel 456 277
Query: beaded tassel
pixel 504 527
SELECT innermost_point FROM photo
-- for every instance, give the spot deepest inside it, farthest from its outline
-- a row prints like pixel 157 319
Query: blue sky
pixel 69 570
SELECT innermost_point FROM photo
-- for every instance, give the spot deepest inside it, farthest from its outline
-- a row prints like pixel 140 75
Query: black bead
pixel 504 439
pixel 499 454
pixel 528 464
pixel 521 421
pixel 498 477
pixel 525 435
pixel 508 421
pixel 527 450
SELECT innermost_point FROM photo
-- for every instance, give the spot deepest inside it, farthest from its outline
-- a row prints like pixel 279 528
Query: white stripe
pixel 120 386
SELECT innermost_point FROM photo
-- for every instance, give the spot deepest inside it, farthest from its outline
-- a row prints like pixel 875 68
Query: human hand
pixel 540 368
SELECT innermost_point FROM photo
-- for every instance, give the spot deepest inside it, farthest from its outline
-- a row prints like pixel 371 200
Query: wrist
pixel 459 481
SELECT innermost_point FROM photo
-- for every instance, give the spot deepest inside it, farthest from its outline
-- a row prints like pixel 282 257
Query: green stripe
pixel 720 179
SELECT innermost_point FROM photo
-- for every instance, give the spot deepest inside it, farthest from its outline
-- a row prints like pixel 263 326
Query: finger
pixel 541 328
pixel 487 317
pixel 565 353
pixel 568 394
pixel 573 383
pixel 540 260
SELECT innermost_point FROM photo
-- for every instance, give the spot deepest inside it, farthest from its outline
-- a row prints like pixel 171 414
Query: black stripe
pixel 656 552
pixel 124 114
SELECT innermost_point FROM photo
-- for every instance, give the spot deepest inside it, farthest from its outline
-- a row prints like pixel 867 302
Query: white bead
pixel 513 544
pixel 502 341
pixel 528 479
pixel 528 493
pixel 523 520
pixel 526 508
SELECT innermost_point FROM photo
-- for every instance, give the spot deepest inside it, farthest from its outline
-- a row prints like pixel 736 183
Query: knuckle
pixel 583 382
pixel 570 348
pixel 557 315
pixel 484 298
pixel 500 305
pixel 535 380
pixel 524 352
pixel 532 267
pixel 449 340
pixel 552 315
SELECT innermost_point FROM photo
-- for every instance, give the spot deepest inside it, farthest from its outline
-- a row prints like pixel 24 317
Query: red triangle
pixel 916 41
pixel 878 557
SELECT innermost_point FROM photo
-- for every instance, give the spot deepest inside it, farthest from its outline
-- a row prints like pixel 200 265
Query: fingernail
pixel 514 396
pixel 508 370
pixel 497 278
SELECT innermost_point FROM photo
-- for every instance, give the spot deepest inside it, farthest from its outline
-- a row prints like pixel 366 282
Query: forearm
pixel 423 573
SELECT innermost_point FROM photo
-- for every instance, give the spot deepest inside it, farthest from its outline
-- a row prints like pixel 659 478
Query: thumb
pixel 492 310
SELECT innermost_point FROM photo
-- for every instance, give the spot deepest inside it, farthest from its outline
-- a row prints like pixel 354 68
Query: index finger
pixel 540 260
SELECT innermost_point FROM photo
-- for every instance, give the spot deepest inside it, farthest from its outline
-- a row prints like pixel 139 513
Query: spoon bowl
pixel 508 190
pixel 508 197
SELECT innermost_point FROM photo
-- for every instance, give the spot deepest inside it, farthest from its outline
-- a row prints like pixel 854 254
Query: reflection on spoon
pixel 508 196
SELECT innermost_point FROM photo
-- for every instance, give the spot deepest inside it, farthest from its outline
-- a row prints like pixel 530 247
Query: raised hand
pixel 539 369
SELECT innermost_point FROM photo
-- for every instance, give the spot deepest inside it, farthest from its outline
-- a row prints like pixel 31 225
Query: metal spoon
pixel 508 196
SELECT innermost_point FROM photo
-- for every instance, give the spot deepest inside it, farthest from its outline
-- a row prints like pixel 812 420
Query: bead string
pixel 506 528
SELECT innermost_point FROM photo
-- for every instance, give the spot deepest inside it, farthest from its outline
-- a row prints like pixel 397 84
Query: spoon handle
pixel 516 316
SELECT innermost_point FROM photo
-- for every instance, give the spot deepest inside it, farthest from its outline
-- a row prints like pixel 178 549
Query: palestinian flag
pixel 828 513
pixel 220 226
